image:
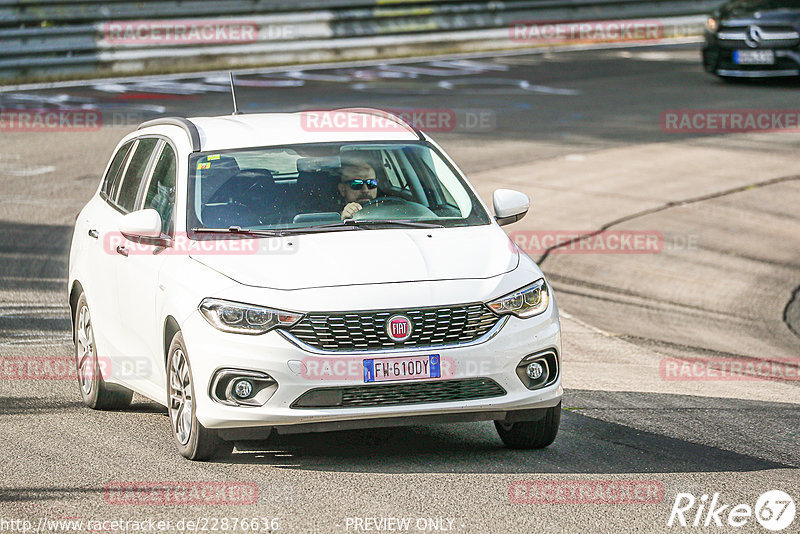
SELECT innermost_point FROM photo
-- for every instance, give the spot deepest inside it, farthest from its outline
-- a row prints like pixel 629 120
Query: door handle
pixel 122 250
pixel 94 233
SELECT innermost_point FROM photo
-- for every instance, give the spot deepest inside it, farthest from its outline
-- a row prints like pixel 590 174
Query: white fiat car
pixel 259 274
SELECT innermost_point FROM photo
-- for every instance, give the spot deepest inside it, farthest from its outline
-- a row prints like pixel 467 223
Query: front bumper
pixel 495 359
pixel 719 60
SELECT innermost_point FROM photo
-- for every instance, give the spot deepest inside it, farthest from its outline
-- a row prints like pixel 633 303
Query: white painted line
pixel 14 165
pixel 32 171
pixel 594 329
pixel 348 64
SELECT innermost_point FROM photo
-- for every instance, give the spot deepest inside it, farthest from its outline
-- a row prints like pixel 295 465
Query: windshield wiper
pixel 391 222
pixel 364 224
pixel 238 230
pixel 347 224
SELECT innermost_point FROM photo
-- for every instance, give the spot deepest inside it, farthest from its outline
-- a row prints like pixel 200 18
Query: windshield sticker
pixel 203 165
pixel 212 158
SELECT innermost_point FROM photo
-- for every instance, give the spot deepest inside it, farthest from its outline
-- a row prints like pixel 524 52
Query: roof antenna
pixel 233 95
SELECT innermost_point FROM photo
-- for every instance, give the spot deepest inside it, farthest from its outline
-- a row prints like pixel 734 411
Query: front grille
pixel 769 36
pixel 365 331
pixel 399 394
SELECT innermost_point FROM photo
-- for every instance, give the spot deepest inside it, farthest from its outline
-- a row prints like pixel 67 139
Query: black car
pixel 753 39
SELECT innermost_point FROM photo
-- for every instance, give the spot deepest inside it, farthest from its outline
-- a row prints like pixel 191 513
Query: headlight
pixel 239 318
pixel 712 24
pixel 527 302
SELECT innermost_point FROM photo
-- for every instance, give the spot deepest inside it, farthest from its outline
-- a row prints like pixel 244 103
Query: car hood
pixel 358 257
pixel 768 10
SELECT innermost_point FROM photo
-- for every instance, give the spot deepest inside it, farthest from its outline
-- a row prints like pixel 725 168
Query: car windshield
pixel 328 186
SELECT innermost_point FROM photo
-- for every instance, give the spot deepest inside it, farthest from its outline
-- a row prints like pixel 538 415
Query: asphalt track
pixel 581 132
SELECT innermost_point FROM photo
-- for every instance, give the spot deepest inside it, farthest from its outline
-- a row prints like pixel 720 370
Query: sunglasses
pixel 356 185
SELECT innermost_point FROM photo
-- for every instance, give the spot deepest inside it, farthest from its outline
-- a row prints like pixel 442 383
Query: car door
pixel 97 228
pixel 120 200
pixel 137 274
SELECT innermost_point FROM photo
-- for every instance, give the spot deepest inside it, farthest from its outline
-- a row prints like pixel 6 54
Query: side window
pixel 135 173
pixel 453 190
pixel 392 169
pixel 115 169
pixel 161 191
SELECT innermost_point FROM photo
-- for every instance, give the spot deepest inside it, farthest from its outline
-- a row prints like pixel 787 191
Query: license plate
pixel 753 57
pixel 402 368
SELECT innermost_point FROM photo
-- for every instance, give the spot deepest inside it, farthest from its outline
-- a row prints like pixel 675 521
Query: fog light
pixel 534 371
pixel 240 387
pixel 538 370
pixel 243 388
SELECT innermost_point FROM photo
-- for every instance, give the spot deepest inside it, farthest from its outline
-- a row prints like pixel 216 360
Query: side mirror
pixel 510 206
pixel 143 226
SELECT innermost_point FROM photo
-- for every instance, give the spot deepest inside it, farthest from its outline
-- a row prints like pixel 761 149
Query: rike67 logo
pixel 774 510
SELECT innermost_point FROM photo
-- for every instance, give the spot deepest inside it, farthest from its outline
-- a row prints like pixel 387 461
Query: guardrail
pixel 52 38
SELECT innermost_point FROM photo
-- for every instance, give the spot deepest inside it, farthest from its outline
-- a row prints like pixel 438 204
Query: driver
pixel 357 185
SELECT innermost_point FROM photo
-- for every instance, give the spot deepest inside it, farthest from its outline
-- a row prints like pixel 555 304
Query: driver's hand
pixel 350 210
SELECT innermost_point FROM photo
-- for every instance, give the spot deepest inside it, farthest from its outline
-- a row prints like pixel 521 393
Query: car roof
pixel 276 129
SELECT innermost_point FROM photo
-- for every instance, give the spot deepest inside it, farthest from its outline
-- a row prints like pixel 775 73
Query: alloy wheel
pixel 85 356
pixel 180 397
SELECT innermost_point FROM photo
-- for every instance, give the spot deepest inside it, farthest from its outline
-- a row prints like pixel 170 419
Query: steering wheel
pixel 375 206
pixel 384 200
pixel 392 207
pixel 244 185
pixel 240 191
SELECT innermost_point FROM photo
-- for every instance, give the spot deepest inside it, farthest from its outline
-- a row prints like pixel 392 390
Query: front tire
pixel 194 441
pixel 96 394
pixel 531 434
